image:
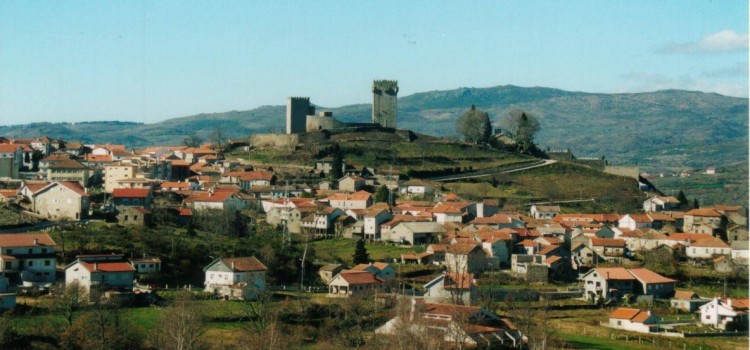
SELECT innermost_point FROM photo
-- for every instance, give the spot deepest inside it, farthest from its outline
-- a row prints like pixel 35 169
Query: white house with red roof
pixel 703 220
pixel 351 283
pixel 499 220
pixel 99 273
pixel 64 200
pixel 471 326
pixel 708 248
pixel 256 178
pixel 452 288
pixel 236 278
pixel 356 200
pixel 614 282
pixel 28 258
pixel 661 203
pixel 380 270
pixel 719 313
pixel 218 199
pixel 634 320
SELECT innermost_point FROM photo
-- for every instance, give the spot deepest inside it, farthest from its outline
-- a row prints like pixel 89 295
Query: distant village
pixel 58 182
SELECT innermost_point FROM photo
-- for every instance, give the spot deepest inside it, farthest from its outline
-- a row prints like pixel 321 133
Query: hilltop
pixel 662 128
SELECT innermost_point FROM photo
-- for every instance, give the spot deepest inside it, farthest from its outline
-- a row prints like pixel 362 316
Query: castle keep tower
pixel 297 109
pixel 384 101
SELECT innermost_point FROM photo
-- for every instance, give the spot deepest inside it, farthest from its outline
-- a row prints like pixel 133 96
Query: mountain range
pixel 668 128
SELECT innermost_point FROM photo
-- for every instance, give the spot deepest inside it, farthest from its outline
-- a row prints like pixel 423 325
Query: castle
pixel 301 116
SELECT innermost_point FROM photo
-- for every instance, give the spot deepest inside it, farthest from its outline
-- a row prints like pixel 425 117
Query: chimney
pixel 232 265
pixel 729 302
pixel 96 266
pixel 36 241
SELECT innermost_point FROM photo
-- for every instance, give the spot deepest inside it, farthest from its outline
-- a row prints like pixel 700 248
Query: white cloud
pixel 724 41
pixel 739 69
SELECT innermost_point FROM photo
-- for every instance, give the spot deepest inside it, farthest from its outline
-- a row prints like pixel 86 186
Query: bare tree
pixel 263 331
pixel 218 139
pixel 192 141
pixel 69 299
pixel 180 326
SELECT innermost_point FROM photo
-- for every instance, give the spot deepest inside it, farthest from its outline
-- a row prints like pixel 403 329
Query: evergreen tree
pixel 337 170
pixel 239 226
pixel 682 198
pixel 475 125
pixel 696 205
pixel 190 229
pixel 360 253
pixel 381 195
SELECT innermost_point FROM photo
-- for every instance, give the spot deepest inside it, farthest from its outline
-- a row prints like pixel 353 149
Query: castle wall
pixel 622 170
pixel 288 141
pixel 297 109
pixel 384 102
pixel 318 122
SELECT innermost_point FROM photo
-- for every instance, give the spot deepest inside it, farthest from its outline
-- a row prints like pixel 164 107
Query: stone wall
pixel 623 170
pixel 288 141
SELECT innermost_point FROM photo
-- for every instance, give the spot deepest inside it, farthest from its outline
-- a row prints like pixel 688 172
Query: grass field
pixel 728 186
pixel 341 250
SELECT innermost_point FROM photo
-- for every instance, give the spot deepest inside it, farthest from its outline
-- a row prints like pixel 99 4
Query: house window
pixel 31 251
pixel 47 263
pixel 44 250
pixel 9 265
pixel 31 263
pixel 619 323
pixel 9 251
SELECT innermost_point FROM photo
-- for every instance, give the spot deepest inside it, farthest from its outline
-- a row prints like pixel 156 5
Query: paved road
pixel 491 173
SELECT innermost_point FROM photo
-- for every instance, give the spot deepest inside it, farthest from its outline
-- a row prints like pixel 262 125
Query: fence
pixel 646 340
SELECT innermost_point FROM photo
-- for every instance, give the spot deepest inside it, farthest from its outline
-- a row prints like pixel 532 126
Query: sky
pixel 147 61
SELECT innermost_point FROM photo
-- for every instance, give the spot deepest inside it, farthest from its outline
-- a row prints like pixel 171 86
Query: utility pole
pixel 302 270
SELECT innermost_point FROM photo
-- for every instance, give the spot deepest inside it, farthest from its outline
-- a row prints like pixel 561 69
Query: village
pixel 108 225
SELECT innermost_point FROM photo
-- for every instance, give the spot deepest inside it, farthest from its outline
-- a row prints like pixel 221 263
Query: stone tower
pixel 297 109
pixel 384 101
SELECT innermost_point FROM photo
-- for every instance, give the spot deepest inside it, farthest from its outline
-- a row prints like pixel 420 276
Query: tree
pixel 474 125
pixel 696 205
pixel 69 300
pixel 382 194
pixel 192 141
pixel 180 326
pixel 360 253
pixel 337 166
pixel 239 224
pixel 523 126
pixel 682 198
pixel 103 327
pixel 218 139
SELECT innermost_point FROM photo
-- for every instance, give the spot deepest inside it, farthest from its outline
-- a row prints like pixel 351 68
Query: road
pixel 485 173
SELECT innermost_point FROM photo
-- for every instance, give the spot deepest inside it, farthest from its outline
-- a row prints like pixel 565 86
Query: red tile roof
pixel 107 266
pixel 359 277
pixel 245 264
pixel 608 242
pixel 8 148
pixel 649 277
pixel 10 240
pixel 130 192
pixel 633 315
pixel 615 273
pixel 710 243
pixel 704 212
pixel 462 248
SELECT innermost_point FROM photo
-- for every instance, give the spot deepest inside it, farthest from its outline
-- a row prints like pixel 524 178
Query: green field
pixel 341 250
pixel 728 186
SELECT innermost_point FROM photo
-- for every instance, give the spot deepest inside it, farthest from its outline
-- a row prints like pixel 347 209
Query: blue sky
pixel 149 61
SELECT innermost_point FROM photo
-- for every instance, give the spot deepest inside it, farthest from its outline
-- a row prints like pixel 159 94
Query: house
pixel 451 288
pixel 116 172
pixel 707 249
pixel 711 170
pixel 608 247
pixel 532 267
pixel 544 211
pixel 256 178
pixel 328 272
pixel 381 270
pixel 614 282
pixel 351 183
pixel 723 264
pixel 703 220
pixel 582 255
pixel 633 320
pixel 323 221
pixel 374 217
pixel 470 326
pixel 146 265
pixel 356 200
pixel 100 273
pixel 635 221
pixel 416 187
pixel 414 232
pixel 438 252
pixel 416 258
pixel 740 251
pixel 465 258
pixel 65 200
pixel 135 216
pixel 218 199
pixel 11 160
pixel 236 278
pixel 132 197
pixel 687 301
pixel 28 258
pixel 499 221
pixel 725 313
pixel 497 246
pixel 69 170
pixel 660 203
pixel 353 283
